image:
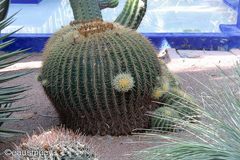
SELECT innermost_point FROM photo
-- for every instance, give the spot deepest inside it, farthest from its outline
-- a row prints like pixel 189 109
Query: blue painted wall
pixel 229 38
pixel 232 4
pixel 26 1
pixel 34 41
pixel 193 41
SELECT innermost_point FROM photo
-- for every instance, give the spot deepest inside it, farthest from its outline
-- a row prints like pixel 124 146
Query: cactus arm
pixel 107 4
pixel 85 9
pixel 132 14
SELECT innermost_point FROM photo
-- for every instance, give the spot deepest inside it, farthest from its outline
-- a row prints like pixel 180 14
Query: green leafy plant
pixel 10 94
pixel 54 144
pixel 216 136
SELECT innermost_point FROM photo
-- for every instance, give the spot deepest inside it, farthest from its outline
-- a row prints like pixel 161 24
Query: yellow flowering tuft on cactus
pixel 157 92
pixel 123 82
pixel 160 89
pixel 165 87
pixel 167 112
pixel 44 82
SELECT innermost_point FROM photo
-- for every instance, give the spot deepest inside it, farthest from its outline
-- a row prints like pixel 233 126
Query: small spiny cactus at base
pixel 54 144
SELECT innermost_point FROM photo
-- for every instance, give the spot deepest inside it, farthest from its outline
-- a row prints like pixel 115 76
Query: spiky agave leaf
pixel 8 95
pixel 160 123
pixel 216 136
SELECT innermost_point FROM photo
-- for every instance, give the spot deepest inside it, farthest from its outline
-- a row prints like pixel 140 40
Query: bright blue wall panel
pixel 193 41
pixel 26 1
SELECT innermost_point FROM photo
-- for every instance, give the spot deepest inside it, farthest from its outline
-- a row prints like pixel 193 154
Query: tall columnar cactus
pixel 85 9
pixel 101 76
pixel 130 17
pixel 132 14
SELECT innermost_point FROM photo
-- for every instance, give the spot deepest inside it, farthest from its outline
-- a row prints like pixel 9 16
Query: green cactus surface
pixel 161 119
pixel 79 68
pixel 85 9
pixel 107 3
pixel 54 144
pixel 130 17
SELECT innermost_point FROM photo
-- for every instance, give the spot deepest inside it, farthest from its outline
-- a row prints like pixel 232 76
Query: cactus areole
pixel 99 75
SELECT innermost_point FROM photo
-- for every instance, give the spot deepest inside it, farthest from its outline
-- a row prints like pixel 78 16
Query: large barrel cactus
pixel 100 76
